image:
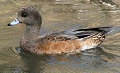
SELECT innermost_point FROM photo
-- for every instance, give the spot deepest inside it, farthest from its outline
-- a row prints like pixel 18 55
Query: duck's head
pixel 29 16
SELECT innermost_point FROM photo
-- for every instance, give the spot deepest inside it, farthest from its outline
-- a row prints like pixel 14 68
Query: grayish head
pixel 29 16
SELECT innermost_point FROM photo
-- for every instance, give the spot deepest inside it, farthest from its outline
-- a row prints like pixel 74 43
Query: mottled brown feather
pixel 53 47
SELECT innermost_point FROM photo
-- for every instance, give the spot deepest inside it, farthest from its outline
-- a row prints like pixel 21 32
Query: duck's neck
pixel 30 37
pixel 31 33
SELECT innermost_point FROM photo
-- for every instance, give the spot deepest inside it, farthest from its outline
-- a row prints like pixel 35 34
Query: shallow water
pixel 61 15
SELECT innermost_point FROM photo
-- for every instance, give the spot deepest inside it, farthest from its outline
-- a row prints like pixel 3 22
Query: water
pixel 61 15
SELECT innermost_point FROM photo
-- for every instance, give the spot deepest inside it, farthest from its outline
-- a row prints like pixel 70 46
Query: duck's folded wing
pixel 75 34
pixel 86 33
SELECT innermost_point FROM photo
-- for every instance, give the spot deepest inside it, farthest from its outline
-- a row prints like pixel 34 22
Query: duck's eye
pixel 24 14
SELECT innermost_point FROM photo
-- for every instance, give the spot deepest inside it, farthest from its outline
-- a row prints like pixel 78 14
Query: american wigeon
pixel 73 40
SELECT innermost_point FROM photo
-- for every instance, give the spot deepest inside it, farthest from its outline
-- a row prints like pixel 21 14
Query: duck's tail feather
pixel 114 30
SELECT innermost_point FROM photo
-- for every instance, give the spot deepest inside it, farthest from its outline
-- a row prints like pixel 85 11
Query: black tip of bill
pixel 13 22
pixel 9 24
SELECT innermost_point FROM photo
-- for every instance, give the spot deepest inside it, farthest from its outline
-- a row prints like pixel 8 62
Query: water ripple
pixel 9 53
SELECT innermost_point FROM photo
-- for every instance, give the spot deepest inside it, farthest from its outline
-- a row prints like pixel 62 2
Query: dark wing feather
pixel 93 31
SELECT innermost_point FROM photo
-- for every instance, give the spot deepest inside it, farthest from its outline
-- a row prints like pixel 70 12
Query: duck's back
pixel 71 40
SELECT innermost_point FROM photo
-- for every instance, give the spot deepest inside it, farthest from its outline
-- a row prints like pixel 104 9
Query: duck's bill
pixel 15 22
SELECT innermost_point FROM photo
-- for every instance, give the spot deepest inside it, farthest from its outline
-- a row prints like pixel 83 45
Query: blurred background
pixel 61 15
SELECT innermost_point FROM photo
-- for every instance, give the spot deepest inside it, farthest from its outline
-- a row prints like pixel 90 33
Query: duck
pixel 65 41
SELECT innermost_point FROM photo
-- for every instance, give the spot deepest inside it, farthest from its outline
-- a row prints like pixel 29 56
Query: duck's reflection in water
pixel 90 60
pixel 33 63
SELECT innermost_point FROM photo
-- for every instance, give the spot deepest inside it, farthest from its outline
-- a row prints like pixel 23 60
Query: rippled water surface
pixel 61 15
